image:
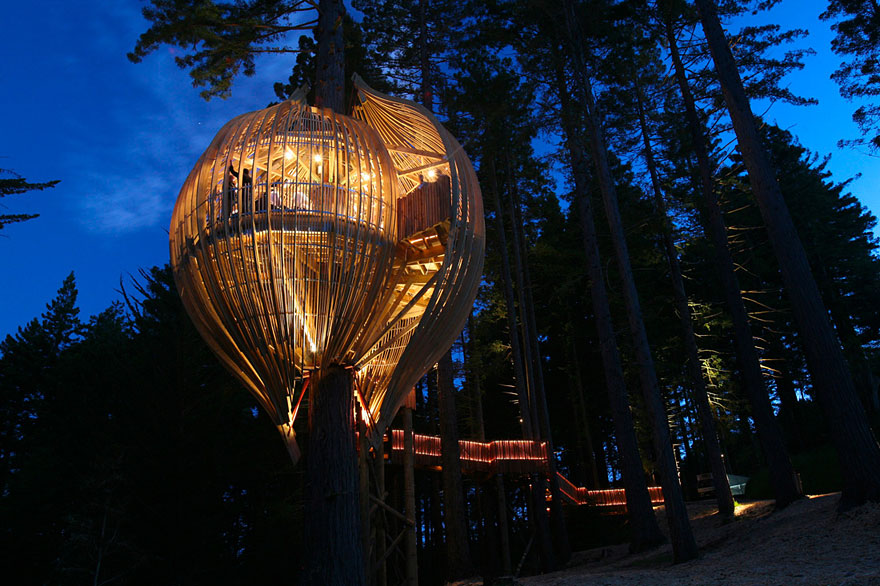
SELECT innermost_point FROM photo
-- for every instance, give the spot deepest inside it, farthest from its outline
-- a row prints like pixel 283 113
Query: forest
pixel 675 290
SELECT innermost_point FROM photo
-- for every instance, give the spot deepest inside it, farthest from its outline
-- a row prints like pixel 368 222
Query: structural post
pixel 381 545
pixel 364 477
pixel 506 565
pixel 409 496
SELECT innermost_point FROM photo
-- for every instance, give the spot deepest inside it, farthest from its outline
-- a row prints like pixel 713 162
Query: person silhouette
pixel 231 185
pixel 246 189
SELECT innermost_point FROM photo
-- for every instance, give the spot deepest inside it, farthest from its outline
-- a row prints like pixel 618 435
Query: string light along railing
pixel 509 457
pixel 499 456
pixel 304 238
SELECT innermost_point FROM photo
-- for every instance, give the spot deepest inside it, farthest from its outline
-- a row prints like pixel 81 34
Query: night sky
pixel 123 137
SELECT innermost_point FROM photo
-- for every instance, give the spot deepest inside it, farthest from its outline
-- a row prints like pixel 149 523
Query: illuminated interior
pixel 305 238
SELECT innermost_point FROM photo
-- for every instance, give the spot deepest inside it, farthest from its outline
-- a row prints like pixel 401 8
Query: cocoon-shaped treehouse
pixel 304 238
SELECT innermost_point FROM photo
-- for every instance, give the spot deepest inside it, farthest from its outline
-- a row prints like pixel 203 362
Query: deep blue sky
pixel 123 137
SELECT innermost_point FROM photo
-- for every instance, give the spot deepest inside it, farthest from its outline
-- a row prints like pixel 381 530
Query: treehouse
pixel 305 238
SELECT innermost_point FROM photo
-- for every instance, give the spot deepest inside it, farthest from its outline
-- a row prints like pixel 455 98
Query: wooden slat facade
pixel 304 238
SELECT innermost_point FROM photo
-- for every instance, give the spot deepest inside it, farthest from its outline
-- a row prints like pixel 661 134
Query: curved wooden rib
pixel 304 238
pixel 442 245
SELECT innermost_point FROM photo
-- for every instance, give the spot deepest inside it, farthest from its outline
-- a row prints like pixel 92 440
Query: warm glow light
pixel 432 174
pixel 286 266
pixel 523 456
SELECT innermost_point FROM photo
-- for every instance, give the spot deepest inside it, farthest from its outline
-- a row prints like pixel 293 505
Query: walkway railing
pixel 509 457
pixel 611 497
pixel 501 456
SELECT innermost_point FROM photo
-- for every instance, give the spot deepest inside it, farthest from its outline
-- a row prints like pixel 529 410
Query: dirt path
pixel 806 543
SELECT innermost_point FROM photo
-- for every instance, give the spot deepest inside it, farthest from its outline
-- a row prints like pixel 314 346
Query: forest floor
pixel 808 542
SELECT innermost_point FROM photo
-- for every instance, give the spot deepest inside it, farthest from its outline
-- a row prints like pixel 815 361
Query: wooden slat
pixel 303 237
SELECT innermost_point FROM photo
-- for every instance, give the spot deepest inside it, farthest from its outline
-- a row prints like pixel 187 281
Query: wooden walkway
pixel 511 457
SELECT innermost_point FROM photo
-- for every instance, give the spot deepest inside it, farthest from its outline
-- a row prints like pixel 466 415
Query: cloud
pixel 119 203
pixel 129 134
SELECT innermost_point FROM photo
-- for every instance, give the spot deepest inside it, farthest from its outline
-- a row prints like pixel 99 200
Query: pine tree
pixel 684 545
pixel 646 532
pixel 857 447
pixel 221 40
pixel 857 27
pixel 14 185
pixel 784 482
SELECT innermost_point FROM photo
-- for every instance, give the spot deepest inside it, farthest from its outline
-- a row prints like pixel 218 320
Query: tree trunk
pixel 458 564
pixel 539 396
pixel 536 504
pixel 645 531
pixel 585 434
pixel 683 544
pixel 692 354
pixel 424 58
pixel 333 527
pixel 782 474
pixel 863 377
pixel 330 62
pixel 789 410
pixel 472 375
pixel 857 448
pixel 500 543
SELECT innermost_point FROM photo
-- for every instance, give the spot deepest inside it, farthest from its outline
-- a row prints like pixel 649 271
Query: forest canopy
pixel 644 307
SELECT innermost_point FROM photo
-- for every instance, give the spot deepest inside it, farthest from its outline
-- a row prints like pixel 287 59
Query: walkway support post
pixel 409 497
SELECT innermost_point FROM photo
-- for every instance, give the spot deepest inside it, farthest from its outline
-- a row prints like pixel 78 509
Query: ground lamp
pixel 303 238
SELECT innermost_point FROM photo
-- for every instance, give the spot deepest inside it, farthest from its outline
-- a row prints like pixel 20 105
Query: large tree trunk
pixel 330 62
pixel 692 355
pixel 782 475
pixel 333 524
pixel 645 531
pixel 458 563
pixel 684 545
pixel 856 445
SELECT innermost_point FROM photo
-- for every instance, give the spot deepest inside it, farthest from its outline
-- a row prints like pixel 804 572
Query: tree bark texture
pixel 782 475
pixel 857 448
pixel 333 524
pixel 330 62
